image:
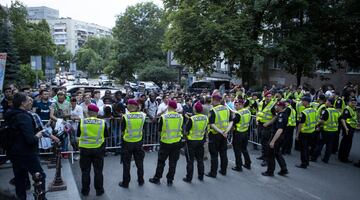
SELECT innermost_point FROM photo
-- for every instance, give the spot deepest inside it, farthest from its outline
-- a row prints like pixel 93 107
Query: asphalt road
pixel 333 181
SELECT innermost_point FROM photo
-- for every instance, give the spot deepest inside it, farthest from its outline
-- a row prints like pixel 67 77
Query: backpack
pixel 8 134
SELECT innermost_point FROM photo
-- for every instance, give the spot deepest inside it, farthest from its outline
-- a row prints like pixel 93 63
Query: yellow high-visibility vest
pixel 353 120
pixel 134 126
pixel 310 122
pixel 222 115
pixel 171 131
pixel 92 133
pixel 198 128
pixel 331 124
pixel 244 123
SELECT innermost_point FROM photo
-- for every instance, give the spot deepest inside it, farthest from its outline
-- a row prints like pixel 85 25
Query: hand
pixel 56 139
pixel 297 137
pixel 266 124
pixel 39 134
pixel 347 131
pixel 225 134
pixel 271 144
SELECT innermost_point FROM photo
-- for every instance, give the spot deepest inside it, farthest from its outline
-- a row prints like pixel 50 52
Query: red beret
pixel 281 104
pixel 216 96
pixel 93 108
pixel 267 94
pixel 198 107
pixel 173 104
pixel 132 102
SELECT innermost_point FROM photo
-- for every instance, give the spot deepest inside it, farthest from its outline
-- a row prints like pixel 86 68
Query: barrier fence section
pixel 151 136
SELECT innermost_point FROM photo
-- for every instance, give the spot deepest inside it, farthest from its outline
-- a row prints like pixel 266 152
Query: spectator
pixel 5 102
pixel 42 107
pixel 151 106
pixel 188 110
pixel 85 104
pixel 61 108
pixel 98 101
pixel 179 108
pixel 163 107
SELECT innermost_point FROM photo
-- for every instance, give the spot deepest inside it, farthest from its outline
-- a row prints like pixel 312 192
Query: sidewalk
pixel 7 191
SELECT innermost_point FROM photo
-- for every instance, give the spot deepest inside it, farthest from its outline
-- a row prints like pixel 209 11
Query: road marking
pixel 305 192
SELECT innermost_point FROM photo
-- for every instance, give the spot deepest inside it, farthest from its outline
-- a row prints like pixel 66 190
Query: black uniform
pixel 265 134
pixel 195 150
pixel 217 146
pixel 307 144
pixel 288 136
pixel 335 146
pixel 326 138
pixel 346 141
pixel 94 157
pixel 281 123
pixel 240 142
pixel 130 149
pixel 171 151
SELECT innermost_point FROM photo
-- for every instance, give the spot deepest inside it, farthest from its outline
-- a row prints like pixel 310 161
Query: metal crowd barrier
pixel 151 137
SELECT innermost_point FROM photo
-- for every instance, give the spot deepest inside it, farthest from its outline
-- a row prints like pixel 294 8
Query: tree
pixel 63 57
pixel 28 76
pixel 7 45
pixel 30 38
pixel 157 71
pixel 88 60
pixel 139 33
pixel 201 30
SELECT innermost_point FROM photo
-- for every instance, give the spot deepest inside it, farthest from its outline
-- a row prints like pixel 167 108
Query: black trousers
pixel 21 167
pixel 287 143
pixel 327 138
pixel 265 134
pixel 335 146
pixel 218 146
pixel 132 149
pixel 345 145
pixel 275 153
pixel 240 142
pixel 171 151
pixel 194 150
pixel 305 141
pixel 95 158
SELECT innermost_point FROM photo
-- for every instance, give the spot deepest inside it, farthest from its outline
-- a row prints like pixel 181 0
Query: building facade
pixel 70 33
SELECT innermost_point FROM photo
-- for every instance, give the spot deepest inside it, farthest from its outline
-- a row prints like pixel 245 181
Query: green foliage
pixel 139 33
pixel 88 60
pixel 30 38
pixel 7 45
pixel 63 57
pixel 157 71
pixel 28 76
pixel 95 55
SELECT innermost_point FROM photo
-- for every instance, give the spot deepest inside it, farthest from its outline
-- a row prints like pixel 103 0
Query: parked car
pixel 104 80
pixel 148 86
pixel 81 81
pixel 70 77
pixel 209 85
pixel 72 89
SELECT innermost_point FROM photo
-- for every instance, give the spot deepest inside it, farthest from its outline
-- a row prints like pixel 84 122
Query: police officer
pixel 240 137
pixel 289 130
pixel 132 129
pixel 329 118
pixel 339 105
pixel 305 131
pixel 266 114
pixel 349 122
pixel 92 132
pixel 196 129
pixel 170 128
pixel 276 141
pixel 220 122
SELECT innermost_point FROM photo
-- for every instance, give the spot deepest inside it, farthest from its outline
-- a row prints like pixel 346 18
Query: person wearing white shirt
pixel 179 108
pixel 163 107
pixel 76 113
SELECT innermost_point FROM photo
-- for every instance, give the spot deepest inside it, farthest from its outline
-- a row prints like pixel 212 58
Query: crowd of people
pixel 204 121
